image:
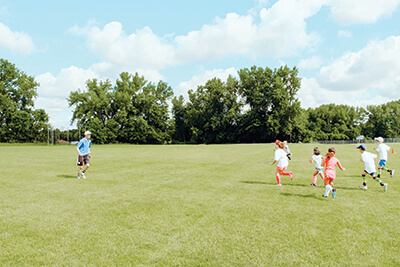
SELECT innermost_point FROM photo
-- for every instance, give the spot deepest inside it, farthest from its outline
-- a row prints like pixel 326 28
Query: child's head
pixel 331 152
pixel 284 142
pixel 362 148
pixel 88 134
pixel 279 144
pixel 316 151
pixel 379 140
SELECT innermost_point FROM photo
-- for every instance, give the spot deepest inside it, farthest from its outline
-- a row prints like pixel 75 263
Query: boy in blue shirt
pixel 83 148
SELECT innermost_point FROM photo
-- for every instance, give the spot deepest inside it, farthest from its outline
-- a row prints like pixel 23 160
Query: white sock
pixel 328 189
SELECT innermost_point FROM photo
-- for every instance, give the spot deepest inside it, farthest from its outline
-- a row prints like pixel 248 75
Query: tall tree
pixel 383 120
pixel 335 122
pixel 133 111
pixel 270 96
pixel 19 122
pixel 212 113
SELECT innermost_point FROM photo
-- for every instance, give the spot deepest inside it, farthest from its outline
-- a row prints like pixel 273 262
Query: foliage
pixel 383 120
pixel 133 111
pixel 19 121
pixel 335 122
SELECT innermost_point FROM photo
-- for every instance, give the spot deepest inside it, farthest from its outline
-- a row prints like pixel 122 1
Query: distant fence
pixel 387 140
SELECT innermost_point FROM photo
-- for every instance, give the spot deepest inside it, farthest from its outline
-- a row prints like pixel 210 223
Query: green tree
pixel 335 122
pixel 273 108
pixel 19 122
pixel 212 113
pixel 383 120
pixel 133 111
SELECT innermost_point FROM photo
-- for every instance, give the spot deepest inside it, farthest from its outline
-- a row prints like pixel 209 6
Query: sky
pixel 347 51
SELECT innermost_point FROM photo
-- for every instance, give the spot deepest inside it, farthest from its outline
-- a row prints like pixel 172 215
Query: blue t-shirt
pixel 84 146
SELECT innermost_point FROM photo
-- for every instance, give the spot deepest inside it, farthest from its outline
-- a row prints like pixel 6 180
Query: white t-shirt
pixel 317 161
pixel 383 151
pixel 369 162
pixel 281 157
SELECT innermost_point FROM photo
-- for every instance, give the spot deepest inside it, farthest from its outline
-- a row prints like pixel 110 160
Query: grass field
pixel 205 205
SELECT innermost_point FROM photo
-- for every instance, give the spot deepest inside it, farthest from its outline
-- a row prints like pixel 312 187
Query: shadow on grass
pixel 304 196
pixel 300 185
pixel 66 176
pixel 284 184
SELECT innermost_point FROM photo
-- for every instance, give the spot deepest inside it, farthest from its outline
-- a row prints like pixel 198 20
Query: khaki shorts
pixel 83 160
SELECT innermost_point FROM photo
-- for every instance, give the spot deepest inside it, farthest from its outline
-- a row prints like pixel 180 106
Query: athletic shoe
pixel 313 184
pixel 83 175
pixel 79 176
pixel 324 196
pixel 291 175
pixel 278 184
pixel 363 187
pixel 385 187
pixel 334 192
pixel 391 173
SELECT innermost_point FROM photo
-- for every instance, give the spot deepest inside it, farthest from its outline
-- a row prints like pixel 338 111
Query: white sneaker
pixel 363 187
pixel 385 187
pixel 391 173
pixel 83 175
pixel 79 177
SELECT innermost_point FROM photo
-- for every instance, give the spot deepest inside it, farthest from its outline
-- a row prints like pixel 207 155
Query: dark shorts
pixel 83 160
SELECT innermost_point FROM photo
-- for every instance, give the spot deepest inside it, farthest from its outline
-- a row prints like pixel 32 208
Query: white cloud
pixel 202 78
pixel 313 95
pixel 310 63
pixel 54 90
pixel 279 31
pixel 15 41
pixel 345 34
pixel 375 66
pixel 362 11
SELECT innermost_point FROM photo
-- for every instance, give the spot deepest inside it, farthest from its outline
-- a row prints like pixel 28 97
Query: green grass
pixel 214 205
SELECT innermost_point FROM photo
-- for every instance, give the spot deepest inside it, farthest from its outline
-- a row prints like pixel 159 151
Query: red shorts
pixel 281 168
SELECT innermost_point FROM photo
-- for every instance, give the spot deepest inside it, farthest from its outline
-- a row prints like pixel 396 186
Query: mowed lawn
pixel 204 205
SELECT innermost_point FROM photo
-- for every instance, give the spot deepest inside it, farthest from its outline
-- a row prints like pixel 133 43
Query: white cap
pixel 379 139
pixel 87 132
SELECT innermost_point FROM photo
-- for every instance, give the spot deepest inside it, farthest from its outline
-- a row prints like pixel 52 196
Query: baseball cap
pixel 379 139
pixel 362 147
pixel 87 132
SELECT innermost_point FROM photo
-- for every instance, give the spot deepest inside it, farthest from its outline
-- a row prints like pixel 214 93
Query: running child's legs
pixel 87 167
pixel 382 166
pixel 373 177
pixel 328 185
pixel 281 171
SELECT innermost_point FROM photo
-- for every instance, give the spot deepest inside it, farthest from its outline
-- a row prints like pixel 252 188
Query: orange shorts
pixel 281 168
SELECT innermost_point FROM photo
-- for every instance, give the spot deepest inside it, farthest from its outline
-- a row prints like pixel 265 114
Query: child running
pixel 369 161
pixel 317 159
pixel 330 163
pixel 83 148
pixel 383 153
pixel 283 163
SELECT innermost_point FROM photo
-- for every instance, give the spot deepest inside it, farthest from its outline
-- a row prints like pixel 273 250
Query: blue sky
pixel 347 51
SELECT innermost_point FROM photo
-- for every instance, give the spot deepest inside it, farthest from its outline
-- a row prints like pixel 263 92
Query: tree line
pixel 260 105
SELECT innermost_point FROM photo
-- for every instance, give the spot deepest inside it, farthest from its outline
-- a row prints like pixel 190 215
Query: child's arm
pixel 340 166
pixel 77 149
pixel 311 160
pixel 273 162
